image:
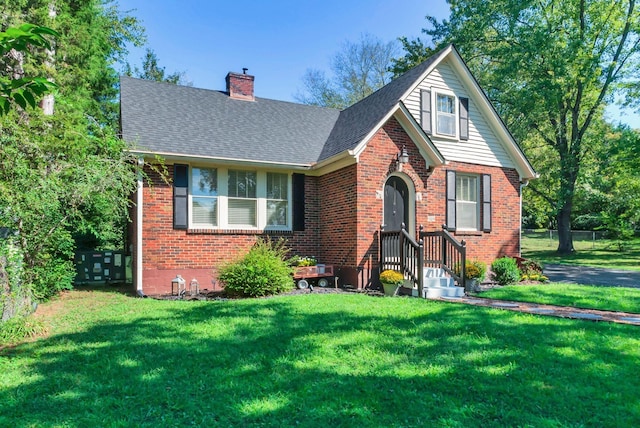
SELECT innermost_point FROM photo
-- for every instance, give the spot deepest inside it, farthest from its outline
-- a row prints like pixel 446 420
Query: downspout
pixel 139 204
pixel 523 184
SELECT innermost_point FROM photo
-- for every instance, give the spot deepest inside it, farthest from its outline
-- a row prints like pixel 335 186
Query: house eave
pixel 189 158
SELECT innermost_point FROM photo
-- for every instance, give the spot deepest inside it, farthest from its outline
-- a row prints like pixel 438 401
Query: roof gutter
pixel 179 157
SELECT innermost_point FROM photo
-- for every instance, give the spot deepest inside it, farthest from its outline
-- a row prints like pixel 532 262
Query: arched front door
pixel 396 204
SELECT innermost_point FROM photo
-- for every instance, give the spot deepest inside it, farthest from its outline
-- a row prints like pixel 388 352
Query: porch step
pixel 438 284
pixel 437 292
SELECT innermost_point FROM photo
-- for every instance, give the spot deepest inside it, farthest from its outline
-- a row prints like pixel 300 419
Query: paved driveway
pixel 592 276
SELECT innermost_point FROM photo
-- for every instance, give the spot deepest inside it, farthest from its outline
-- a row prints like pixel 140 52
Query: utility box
pixel 100 267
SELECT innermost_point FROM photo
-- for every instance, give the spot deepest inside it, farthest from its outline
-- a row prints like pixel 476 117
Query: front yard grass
pixel 579 296
pixel 600 253
pixel 316 360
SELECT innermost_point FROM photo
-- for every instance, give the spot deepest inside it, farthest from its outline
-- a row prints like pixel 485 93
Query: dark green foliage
pixel 263 271
pixel 22 91
pixel 505 271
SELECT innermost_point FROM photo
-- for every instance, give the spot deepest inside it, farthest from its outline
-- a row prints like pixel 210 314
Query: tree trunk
pixel 565 239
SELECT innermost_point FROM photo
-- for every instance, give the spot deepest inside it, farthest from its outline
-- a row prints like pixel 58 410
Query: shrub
pixel 391 277
pixel 263 271
pixel 505 271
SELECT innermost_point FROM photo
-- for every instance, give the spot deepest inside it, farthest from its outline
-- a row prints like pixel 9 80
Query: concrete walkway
pixel 550 310
pixel 574 275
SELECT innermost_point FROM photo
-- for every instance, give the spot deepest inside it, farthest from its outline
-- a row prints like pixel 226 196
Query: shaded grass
pixel 317 360
pixel 601 253
pixel 579 296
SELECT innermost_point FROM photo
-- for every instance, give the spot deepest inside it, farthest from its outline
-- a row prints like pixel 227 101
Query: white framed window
pixel 445 114
pixel 277 199
pixel 242 201
pixel 235 198
pixel 467 202
pixel 204 196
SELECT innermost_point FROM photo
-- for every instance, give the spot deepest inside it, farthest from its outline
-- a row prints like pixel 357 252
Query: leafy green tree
pixel 14 88
pixel 68 173
pixel 550 67
pixel 151 70
pixel 358 70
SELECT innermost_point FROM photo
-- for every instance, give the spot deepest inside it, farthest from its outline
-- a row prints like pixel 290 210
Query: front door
pixel 396 204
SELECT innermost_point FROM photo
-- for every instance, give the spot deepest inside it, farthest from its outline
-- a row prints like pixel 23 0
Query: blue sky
pixel 277 40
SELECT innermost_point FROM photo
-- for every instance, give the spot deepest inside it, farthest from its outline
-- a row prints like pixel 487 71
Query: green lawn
pixel 600 253
pixel 579 296
pixel 317 360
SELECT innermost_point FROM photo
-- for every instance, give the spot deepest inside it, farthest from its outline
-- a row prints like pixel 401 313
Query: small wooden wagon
pixel 321 275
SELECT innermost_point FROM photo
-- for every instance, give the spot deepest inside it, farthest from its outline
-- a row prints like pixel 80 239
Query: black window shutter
pixel 180 196
pixel 425 110
pixel 464 118
pixel 451 200
pixel 298 201
pixel 486 202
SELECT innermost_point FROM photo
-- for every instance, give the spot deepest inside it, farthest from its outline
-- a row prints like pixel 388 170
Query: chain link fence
pixel 581 238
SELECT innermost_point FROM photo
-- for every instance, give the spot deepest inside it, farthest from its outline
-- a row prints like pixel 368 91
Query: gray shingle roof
pixel 165 118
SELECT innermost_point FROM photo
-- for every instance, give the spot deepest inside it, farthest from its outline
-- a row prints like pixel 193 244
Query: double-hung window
pixel 242 201
pixel 204 196
pixel 445 114
pixel 468 202
pixel 277 199
pixel 467 206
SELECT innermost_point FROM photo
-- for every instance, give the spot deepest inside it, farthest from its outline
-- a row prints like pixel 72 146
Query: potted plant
pixel 474 274
pixel 391 280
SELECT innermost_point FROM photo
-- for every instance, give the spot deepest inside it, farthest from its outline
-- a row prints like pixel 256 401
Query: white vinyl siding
pixel 482 146
pixel 239 199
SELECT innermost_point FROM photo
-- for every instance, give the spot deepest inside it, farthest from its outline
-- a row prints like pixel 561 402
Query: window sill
pixel 468 233
pixel 238 232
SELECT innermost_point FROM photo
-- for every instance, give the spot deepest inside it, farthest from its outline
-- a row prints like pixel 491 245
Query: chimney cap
pixel 244 70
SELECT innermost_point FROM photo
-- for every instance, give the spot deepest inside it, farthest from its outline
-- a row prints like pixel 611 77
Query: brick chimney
pixel 240 86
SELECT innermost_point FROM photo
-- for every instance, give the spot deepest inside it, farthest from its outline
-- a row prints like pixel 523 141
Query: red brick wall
pixel 167 252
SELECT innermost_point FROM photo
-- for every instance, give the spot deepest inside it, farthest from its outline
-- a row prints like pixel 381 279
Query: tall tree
pixel 68 172
pixel 358 70
pixel 550 67
pixel 151 70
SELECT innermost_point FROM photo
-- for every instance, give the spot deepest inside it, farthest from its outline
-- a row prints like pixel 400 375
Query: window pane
pixel 467 202
pixel 277 213
pixel 446 124
pixel 205 211
pixel 466 215
pixel 445 114
pixel 242 211
pixel 277 186
pixel 446 104
pixel 242 184
pixel 204 181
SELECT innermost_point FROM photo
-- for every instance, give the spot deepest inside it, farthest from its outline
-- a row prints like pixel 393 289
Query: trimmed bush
pixel 505 271
pixel 262 272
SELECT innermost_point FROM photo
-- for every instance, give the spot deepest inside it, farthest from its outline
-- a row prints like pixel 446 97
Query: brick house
pixel 427 149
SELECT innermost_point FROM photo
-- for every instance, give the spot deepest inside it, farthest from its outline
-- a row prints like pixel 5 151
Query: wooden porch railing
pixel 400 252
pixel 444 251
